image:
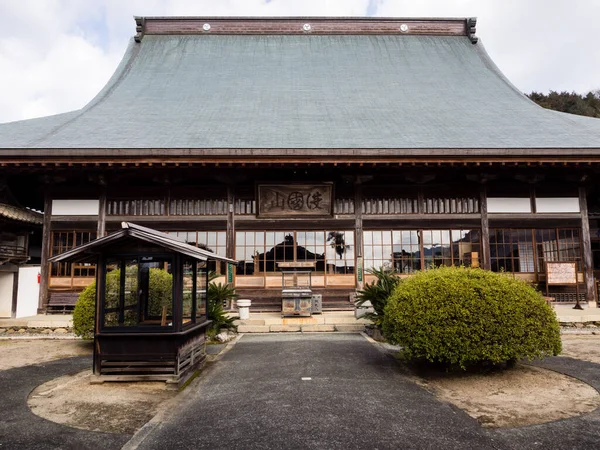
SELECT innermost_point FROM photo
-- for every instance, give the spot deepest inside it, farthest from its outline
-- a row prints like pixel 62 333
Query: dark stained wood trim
pixel 358 230
pixel 90 156
pixel 296 25
pixel 102 214
pixel 99 317
pixel 170 219
pixel 485 230
pixel 75 219
pixel 15 293
pixel 230 235
pixel 44 265
pixel 588 260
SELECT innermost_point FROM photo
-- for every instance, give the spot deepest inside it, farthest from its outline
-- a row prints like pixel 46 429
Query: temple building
pixel 344 143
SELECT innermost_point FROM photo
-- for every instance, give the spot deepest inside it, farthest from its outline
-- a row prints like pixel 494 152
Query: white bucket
pixel 243 305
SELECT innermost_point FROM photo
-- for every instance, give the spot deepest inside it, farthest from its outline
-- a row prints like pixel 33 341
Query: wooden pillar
pixel 44 265
pixel 13 309
pixel 230 244
pixel 588 261
pixel 99 316
pixel 358 240
pixel 102 214
pixel 230 237
pixel 177 315
pixel 420 201
pixel 485 262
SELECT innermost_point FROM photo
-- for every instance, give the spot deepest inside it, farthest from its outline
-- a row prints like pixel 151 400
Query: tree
pixel 572 103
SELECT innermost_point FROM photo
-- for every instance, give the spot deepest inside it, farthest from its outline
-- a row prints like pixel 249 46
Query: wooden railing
pixel 451 206
pixel 147 207
pixel 244 207
pixel 12 250
pixel 160 207
pixel 212 207
pixel 390 206
pixel 205 207
pixel 343 206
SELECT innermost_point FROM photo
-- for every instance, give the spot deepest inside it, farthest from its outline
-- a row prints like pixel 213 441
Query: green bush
pixel 161 293
pixel 463 317
pixel 378 293
pixel 84 313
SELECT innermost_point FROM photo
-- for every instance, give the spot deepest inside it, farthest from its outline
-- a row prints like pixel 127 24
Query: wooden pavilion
pixel 151 304
pixel 350 142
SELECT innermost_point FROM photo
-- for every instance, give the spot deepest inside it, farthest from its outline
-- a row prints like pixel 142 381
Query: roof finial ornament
pixel 139 29
pixel 471 24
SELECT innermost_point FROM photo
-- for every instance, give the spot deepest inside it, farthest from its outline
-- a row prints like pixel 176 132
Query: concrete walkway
pixel 21 429
pixel 313 391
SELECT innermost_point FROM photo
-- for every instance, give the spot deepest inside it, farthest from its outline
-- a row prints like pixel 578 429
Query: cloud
pixel 55 55
pixel 538 44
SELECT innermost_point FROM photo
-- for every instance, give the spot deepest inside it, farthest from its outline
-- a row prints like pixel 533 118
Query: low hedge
pixel 462 317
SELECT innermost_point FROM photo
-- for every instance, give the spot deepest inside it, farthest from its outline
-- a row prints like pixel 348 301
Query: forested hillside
pixel 570 102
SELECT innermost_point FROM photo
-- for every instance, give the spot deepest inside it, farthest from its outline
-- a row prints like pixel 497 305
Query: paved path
pixel 357 398
pixel 21 429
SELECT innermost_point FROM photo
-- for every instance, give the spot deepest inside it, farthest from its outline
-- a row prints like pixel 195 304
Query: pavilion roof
pixel 251 84
pixel 130 231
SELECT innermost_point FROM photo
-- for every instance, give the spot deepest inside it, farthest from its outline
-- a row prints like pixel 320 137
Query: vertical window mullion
pixel 122 292
pixel 194 289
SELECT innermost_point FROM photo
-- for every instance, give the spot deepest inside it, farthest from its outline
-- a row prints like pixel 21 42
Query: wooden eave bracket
pixel 139 28
pixel 471 29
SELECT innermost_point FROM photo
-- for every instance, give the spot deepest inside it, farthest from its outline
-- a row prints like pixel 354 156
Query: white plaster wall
pixel 29 291
pixel 508 205
pixel 75 207
pixel 6 291
pixel 557 204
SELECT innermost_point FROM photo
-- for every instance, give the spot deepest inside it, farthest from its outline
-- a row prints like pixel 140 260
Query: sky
pixel 55 55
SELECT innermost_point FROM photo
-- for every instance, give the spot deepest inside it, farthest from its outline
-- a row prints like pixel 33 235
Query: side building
pixel 343 144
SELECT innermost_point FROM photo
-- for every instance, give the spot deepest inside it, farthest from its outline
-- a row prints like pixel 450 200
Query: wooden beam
pixel 358 227
pixel 485 229
pixel 101 214
pixel 44 265
pixel 588 259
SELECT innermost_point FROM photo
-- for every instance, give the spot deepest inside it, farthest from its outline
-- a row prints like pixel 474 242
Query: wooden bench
pixel 61 302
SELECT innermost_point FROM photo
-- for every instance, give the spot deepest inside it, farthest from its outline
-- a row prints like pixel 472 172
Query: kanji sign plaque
pixel 295 200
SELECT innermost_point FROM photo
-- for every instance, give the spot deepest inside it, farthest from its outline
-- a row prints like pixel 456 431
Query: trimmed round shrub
pixel 84 313
pixel 463 317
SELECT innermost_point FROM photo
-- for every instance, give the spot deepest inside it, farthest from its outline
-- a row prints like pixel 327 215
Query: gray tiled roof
pixel 283 91
pixel 19 214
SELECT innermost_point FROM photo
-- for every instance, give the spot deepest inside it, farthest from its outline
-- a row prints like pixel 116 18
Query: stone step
pixel 302 327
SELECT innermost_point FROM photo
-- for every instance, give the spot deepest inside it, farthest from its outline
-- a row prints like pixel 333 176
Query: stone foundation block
pixel 317 328
pixel 253 329
pixel 285 328
pixel 350 328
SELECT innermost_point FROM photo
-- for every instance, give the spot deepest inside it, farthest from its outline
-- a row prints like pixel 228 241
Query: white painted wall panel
pixel 75 207
pixel 557 205
pixel 508 205
pixel 29 291
pixel 6 293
